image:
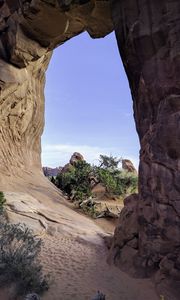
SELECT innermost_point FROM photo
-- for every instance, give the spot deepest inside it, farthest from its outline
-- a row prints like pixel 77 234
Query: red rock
pixel 149 47
pixel 128 166
pixel 148 38
pixel 75 158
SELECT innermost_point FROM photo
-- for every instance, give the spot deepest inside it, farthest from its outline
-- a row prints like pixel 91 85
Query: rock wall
pixel 149 43
pixel 29 31
pixel 148 38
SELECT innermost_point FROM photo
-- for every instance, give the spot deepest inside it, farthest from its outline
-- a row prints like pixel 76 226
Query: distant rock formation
pixel 51 171
pixel 74 159
pixel 128 166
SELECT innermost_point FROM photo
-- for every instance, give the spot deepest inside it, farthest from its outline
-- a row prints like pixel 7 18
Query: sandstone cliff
pixel 29 31
pixel 148 38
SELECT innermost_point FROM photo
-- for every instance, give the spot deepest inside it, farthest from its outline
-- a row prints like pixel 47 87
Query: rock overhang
pixel 30 29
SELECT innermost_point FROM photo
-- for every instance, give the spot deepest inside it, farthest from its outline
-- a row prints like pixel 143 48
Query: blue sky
pixel 88 106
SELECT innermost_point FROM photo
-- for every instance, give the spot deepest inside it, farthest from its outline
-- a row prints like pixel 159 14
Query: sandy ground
pixel 74 253
pixel 79 269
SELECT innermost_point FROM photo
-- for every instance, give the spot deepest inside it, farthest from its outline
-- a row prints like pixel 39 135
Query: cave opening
pixel 88 105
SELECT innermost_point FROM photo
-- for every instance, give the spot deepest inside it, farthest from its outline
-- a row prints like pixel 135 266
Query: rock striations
pixel 148 38
pixel 29 31
pixel 128 166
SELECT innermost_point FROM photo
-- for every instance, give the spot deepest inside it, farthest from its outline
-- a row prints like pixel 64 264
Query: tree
pixel 109 162
pixel 76 183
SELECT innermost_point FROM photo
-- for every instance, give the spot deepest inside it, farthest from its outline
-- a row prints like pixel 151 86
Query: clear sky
pixel 88 106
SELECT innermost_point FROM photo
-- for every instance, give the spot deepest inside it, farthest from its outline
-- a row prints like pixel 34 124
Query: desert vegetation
pixel 2 202
pixel 19 263
pixel 116 181
pixel 76 182
pixel 79 180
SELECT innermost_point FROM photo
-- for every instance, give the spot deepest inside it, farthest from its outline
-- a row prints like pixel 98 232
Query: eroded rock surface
pixel 148 38
pixel 76 157
pixel 29 31
pixel 149 43
pixel 128 166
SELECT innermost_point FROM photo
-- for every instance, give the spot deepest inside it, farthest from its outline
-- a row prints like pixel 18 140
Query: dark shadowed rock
pixel 149 46
pixel 125 242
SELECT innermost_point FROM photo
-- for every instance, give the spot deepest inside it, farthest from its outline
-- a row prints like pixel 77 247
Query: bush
pixel 106 178
pixel 128 182
pixel 117 182
pixel 76 182
pixel 19 263
pixel 2 202
pixel 109 162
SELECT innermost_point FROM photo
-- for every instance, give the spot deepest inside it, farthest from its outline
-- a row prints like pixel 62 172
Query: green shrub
pixel 66 181
pixel 19 263
pixel 128 182
pixel 106 178
pixel 76 182
pixel 117 182
pixel 109 162
pixel 2 202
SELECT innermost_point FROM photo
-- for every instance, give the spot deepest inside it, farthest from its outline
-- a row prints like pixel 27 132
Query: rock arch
pixel 148 38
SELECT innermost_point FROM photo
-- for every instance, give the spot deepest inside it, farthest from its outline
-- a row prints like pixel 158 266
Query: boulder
pixel 75 158
pixel 128 166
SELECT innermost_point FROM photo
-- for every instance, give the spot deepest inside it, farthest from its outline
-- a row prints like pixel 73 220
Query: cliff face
pixel 148 38
pixel 149 42
pixel 29 31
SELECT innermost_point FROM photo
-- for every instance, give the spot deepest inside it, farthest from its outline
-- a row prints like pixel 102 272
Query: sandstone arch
pixel 148 37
